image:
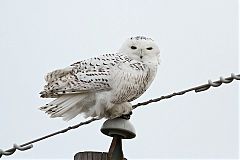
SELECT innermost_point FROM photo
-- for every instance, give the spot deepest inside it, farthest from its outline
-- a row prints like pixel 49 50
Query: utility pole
pixel 118 128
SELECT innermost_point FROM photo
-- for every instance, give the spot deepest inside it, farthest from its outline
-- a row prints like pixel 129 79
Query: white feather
pixel 103 86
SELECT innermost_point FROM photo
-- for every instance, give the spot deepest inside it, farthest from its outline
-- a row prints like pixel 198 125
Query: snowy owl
pixel 103 86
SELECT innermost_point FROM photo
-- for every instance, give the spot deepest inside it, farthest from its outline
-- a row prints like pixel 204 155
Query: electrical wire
pixel 197 89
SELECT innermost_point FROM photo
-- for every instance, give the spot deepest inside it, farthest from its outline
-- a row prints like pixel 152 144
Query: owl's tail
pixel 69 106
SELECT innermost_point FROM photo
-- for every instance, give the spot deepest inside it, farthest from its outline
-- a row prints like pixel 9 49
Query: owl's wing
pixel 85 76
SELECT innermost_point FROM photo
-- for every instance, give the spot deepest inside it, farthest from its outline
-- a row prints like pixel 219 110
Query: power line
pixel 197 89
pixel 200 88
pixel 29 145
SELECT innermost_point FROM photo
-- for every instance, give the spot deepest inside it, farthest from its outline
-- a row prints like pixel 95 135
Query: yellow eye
pixel 133 47
pixel 149 48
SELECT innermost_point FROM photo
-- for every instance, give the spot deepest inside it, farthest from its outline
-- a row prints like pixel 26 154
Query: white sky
pixel 198 41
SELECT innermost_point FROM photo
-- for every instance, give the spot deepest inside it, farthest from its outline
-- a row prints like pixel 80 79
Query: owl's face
pixel 141 49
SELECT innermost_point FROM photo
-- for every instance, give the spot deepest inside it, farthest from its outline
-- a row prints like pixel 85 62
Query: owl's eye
pixel 149 48
pixel 133 47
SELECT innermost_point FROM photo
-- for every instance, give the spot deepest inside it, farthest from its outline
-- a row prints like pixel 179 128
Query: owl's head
pixel 142 49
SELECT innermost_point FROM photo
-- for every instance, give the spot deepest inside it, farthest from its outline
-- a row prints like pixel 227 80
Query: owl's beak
pixel 141 56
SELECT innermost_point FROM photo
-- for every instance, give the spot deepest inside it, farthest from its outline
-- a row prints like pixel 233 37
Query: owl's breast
pixel 132 83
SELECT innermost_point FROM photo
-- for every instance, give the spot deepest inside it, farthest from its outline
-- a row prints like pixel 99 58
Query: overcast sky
pixel 198 41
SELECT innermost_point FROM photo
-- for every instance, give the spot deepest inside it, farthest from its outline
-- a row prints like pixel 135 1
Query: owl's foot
pixel 126 116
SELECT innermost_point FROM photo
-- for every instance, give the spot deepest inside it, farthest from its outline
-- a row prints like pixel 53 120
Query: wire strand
pixel 29 145
pixel 197 89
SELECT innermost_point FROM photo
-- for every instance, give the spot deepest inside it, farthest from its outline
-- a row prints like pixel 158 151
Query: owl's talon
pixel 126 116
